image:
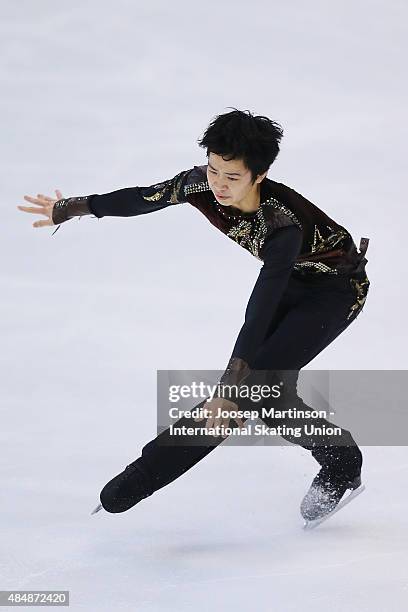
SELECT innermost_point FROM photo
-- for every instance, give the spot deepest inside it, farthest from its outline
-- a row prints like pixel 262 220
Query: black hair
pixel 241 135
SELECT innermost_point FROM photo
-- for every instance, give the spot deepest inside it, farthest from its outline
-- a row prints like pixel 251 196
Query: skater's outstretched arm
pixel 127 202
pixel 279 254
pixel 133 201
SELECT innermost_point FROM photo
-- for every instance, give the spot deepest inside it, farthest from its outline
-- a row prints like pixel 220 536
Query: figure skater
pixel 312 285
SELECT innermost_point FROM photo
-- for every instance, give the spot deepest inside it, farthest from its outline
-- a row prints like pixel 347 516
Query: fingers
pixel 239 422
pixel 221 421
pixel 44 197
pixel 224 424
pixel 197 419
pixel 41 200
pixel 44 207
pixel 42 223
pixel 30 209
pixel 217 422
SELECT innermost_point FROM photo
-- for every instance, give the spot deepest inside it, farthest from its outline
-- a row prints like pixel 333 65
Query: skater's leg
pixel 161 463
pixel 163 459
pixel 315 319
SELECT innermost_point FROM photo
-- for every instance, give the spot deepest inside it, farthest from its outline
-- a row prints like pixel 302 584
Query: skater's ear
pixel 261 177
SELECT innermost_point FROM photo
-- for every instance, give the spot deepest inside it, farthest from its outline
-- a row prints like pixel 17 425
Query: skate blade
pixel 307 525
pixel 98 507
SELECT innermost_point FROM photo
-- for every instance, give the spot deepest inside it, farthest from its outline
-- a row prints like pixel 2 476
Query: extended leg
pixel 163 459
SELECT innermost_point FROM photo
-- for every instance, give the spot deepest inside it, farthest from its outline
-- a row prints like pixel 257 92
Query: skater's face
pixel 230 181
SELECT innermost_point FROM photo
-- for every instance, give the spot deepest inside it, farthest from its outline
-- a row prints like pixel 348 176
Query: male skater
pixel 311 286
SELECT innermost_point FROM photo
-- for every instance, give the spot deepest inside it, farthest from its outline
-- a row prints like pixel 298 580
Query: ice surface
pixel 98 96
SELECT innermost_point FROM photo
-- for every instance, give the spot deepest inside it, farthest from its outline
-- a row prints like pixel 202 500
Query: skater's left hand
pixel 213 407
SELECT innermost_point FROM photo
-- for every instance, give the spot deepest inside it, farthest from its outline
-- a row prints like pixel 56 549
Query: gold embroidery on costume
pixel 283 209
pixel 322 245
pixel 314 266
pixel 327 244
pixel 172 186
pixel 361 289
pixel 250 234
pixel 156 196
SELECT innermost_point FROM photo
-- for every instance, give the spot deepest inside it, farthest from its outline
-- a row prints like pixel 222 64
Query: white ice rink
pixel 102 95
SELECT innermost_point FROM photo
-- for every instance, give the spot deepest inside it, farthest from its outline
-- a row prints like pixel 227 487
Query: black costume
pixel 311 286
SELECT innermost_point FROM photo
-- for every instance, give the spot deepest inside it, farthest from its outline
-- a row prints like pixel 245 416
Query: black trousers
pixel 311 314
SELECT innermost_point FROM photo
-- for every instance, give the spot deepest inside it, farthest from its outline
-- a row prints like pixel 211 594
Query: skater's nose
pixel 219 188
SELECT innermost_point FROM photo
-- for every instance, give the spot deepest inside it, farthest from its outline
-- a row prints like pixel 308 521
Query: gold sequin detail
pixel 327 244
pixel 314 266
pixel 361 289
pixel 172 186
pixel 322 245
pixel 274 203
pixel 156 196
pixel 250 234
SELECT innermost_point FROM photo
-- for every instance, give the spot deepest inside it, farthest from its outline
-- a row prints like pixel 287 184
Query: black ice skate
pixel 125 490
pixel 326 496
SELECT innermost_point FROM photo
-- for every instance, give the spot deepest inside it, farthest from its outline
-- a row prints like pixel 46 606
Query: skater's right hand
pixel 212 407
pixel 45 205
